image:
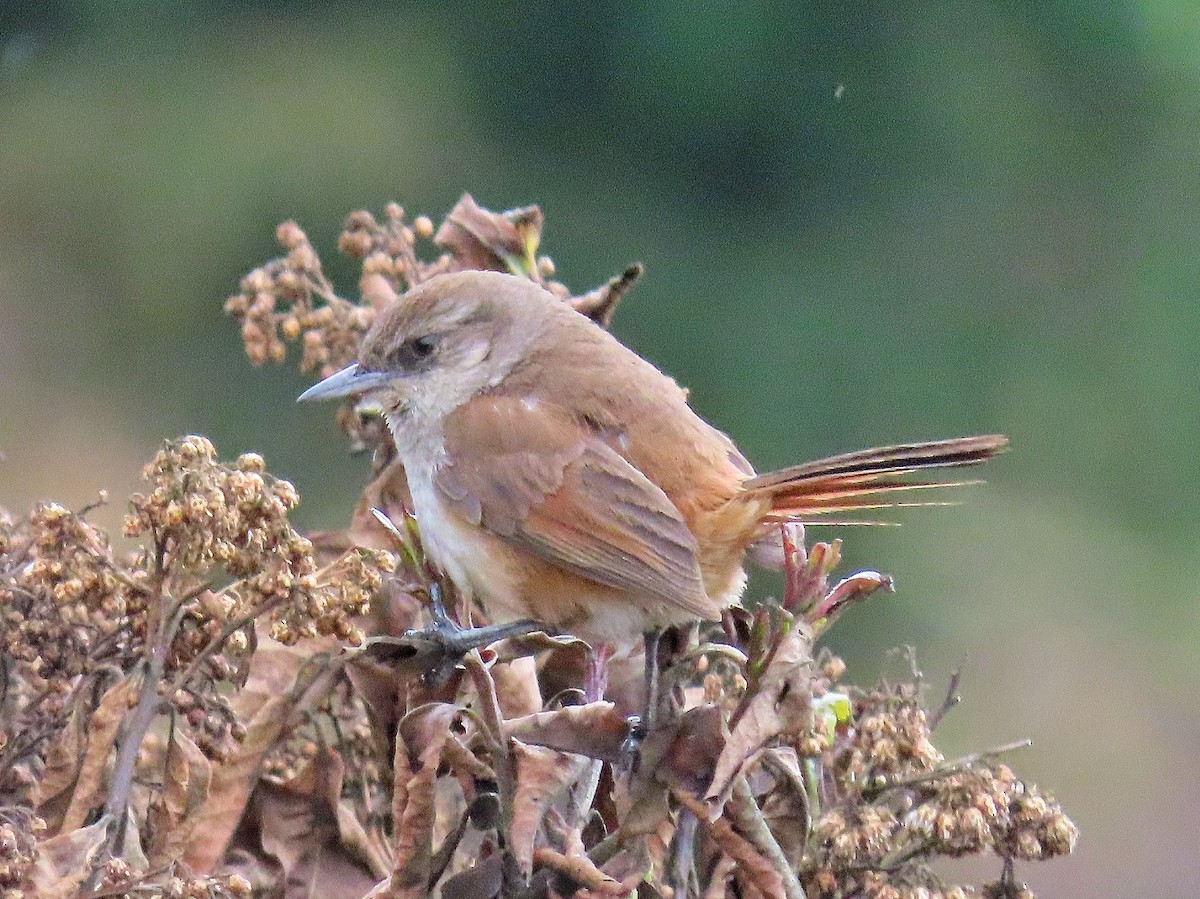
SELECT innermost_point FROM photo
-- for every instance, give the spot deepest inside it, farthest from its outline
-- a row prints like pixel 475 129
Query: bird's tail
pixel 868 479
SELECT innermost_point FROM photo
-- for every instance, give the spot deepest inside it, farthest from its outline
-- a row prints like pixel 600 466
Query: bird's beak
pixel 350 380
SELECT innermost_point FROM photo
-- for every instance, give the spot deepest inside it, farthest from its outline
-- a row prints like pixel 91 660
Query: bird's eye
pixel 413 353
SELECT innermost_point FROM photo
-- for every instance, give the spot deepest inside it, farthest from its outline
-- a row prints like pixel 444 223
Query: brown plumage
pixel 558 475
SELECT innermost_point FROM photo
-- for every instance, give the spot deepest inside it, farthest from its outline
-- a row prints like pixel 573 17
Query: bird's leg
pixel 440 645
pixel 652 639
pixel 437 608
pixel 641 726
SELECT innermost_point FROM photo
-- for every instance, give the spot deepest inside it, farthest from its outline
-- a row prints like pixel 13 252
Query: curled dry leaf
pixel 583 873
pixel 785 800
pixel 423 734
pixel 849 591
pixel 543 775
pixel 282 679
pixel 300 825
pixel 781 703
pixel 517 688
pixel 497 241
pixel 65 861
pixel 102 735
pixel 51 792
pixel 596 730
pixel 483 881
pixel 692 755
pixel 382 689
pixel 534 643
pixel 188 776
pixel 754 867
pixel 600 304
pixel 185 790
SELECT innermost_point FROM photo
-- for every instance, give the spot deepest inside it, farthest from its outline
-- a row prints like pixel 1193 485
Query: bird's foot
pixel 631 746
pixel 439 647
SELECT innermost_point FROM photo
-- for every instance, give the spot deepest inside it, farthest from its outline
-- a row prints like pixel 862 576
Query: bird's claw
pixel 631 746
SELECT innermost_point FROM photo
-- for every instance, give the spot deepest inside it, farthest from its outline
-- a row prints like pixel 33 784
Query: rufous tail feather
pixel 867 479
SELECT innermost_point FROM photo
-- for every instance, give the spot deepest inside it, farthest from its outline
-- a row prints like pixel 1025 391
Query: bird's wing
pixel 530 473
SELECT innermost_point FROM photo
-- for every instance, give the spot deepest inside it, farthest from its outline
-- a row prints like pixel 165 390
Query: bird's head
pixel 440 344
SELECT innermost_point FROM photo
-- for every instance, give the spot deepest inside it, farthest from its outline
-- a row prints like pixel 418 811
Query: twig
pixel 228 631
pixel 947 768
pixel 952 699
pixel 127 753
pixel 731 842
pixel 732 653
pixel 682 867
pixel 607 848
pixel 898 857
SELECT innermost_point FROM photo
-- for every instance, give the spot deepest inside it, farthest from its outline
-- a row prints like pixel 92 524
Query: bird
pixel 557 475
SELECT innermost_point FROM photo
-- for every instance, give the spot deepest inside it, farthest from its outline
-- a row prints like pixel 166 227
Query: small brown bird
pixel 559 476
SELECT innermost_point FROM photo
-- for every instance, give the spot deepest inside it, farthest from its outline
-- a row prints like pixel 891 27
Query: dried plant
pixel 234 709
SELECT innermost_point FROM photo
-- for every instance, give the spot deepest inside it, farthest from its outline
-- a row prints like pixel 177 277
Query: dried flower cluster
pixel 893 801
pixel 236 710
pixel 20 830
pixel 64 602
pixel 99 649
pixel 290 298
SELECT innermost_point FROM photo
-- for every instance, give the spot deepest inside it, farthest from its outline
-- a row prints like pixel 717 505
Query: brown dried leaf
pixel 517 688
pixel 423 734
pixel 583 872
pixel 188 775
pixel 50 793
pixel 596 730
pixel 534 643
pixel 388 492
pixel 785 802
pixel 483 881
pixel 756 869
pixel 543 775
pixel 497 241
pixel 281 681
pixel 364 846
pixel 383 690
pixel 188 778
pixel 65 861
pixel 692 756
pixel 299 826
pixel 848 592
pixel 102 737
pixel 779 704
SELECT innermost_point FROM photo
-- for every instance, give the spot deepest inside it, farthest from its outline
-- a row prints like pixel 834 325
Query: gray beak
pixel 350 380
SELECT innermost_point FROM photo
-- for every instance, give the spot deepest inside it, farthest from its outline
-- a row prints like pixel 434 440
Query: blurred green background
pixel 862 222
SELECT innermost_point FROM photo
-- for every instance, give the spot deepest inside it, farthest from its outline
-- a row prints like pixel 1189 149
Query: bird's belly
pixel 481 565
